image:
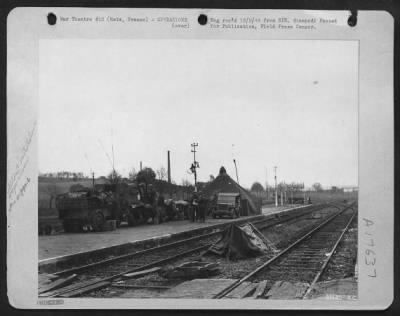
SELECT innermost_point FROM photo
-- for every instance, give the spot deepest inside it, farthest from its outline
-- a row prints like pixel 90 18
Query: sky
pixel 290 104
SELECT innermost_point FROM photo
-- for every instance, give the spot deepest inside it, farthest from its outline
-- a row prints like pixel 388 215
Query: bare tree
pixel 114 176
pixel 317 186
pixel 132 174
pixel 161 173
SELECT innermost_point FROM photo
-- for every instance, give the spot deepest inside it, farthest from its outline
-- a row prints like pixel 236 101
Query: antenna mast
pixel 234 161
pixel 237 176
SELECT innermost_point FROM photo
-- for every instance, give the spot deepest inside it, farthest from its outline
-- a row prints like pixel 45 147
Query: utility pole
pixel 194 165
pixel 292 193
pixel 285 190
pixel 276 192
pixel 140 165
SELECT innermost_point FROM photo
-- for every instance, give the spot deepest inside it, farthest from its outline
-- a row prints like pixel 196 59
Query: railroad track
pixel 260 224
pixel 103 272
pixel 304 260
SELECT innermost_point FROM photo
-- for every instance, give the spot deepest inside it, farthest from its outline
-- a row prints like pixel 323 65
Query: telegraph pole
pixel 276 192
pixel 194 165
pixel 292 193
pixel 285 190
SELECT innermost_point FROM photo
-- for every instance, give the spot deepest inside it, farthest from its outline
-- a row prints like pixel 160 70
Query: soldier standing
pixel 214 202
pixel 202 208
pixel 194 204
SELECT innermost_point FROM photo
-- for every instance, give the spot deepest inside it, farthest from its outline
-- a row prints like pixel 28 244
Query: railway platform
pixel 56 248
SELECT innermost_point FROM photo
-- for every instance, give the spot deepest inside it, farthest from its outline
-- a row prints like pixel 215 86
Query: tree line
pixel 63 175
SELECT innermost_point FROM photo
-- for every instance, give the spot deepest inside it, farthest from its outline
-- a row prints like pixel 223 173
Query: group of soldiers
pixel 200 207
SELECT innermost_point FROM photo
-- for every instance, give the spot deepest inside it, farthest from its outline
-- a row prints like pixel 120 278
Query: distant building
pixel 348 189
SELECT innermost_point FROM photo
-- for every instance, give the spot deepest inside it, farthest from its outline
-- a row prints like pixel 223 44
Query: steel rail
pixel 144 252
pixel 134 254
pixel 143 267
pixel 176 243
pixel 234 285
pixel 322 269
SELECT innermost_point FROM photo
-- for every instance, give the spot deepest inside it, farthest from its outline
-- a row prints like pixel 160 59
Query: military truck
pixel 228 204
pixel 88 209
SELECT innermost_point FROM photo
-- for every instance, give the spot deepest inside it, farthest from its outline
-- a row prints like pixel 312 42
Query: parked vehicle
pixel 89 209
pixel 296 200
pixel 228 204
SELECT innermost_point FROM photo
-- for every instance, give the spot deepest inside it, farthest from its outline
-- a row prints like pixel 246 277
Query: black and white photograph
pixel 197 166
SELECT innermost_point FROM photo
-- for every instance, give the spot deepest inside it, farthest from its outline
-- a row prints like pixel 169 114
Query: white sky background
pixel 290 104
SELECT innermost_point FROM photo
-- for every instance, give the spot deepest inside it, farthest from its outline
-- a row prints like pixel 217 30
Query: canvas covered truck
pixel 91 209
pixel 87 209
pixel 228 204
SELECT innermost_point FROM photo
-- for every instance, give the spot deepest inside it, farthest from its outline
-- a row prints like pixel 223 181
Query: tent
pixel 225 184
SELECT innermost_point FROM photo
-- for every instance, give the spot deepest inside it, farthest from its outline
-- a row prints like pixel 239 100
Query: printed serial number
pixel 50 302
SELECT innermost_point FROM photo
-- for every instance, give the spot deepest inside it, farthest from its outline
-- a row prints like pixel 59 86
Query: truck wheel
pixel 97 221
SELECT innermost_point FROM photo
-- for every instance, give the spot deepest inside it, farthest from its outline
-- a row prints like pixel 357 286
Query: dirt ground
pixel 344 259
